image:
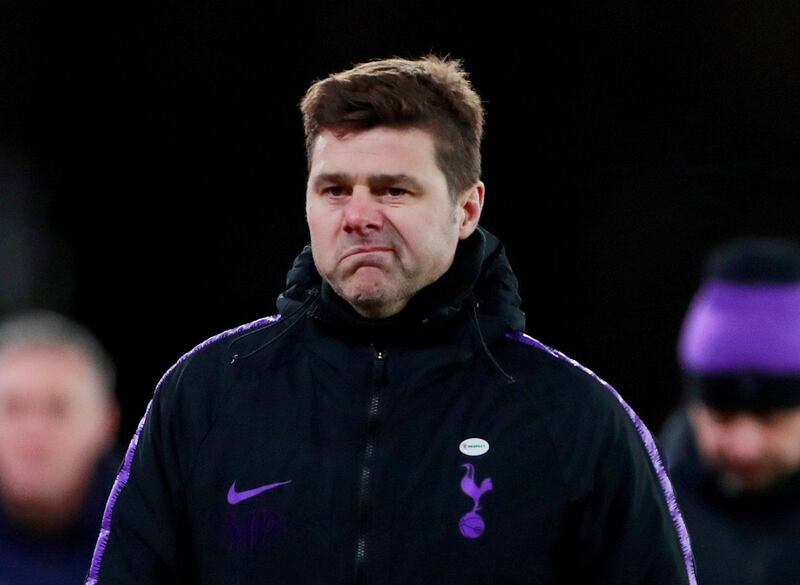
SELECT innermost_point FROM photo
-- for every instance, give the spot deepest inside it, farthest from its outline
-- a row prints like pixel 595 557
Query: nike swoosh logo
pixel 235 497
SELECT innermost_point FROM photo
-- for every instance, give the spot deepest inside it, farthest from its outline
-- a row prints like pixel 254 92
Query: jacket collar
pixel 480 274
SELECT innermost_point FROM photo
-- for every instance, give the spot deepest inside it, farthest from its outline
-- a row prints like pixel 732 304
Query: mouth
pixel 746 474
pixel 362 250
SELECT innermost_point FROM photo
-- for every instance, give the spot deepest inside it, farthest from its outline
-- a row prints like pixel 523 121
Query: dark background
pixel 152 167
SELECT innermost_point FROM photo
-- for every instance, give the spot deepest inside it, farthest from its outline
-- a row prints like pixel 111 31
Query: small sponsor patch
pixel 474 446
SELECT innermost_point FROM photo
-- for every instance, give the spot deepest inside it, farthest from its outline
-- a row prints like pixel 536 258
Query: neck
pixel 377 311
pixel 45 517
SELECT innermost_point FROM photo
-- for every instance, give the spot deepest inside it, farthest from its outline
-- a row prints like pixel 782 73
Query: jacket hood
pixel 480 275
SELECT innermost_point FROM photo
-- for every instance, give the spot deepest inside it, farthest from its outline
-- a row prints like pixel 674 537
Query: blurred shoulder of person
pixel 733 448
pixel 58 426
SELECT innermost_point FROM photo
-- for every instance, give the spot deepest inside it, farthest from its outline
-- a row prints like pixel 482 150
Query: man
pixel 57 421
pixel 734 449
pixel 393 424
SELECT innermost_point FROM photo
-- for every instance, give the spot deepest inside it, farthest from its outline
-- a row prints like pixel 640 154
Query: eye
pixel 334 191
pixel 771 417
pixel 12 406
pixel 396 191
pixel 58 408
pixel 721 417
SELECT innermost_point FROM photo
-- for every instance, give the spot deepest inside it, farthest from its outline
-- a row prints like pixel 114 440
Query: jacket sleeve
pixel 143 537
pixel 625 527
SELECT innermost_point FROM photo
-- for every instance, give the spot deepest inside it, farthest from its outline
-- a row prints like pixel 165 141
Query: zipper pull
pixel 380 353
pixel 378 364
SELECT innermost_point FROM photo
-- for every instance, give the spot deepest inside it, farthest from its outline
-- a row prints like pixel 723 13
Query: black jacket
pixel 739 539
pixel 350 433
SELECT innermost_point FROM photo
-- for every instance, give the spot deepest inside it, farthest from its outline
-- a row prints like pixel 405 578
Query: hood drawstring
pixel 292 319
pixel 474 319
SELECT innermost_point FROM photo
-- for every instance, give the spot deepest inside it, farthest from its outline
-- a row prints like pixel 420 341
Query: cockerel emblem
pixel 471 523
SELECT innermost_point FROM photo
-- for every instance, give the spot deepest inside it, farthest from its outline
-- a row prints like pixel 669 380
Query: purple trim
pixel 735 327
pixel 649 443
pixel 125 472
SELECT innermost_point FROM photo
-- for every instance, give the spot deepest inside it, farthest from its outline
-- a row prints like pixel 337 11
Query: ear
pixel 470 205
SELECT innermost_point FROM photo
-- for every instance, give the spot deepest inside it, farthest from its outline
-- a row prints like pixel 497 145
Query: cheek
pixel 708 437
pixel 788 446
pixel 322 226
pixel 431 234
pixel 77 447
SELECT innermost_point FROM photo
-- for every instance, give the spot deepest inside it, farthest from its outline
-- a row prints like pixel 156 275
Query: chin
pixel 363 290
pixel 375 304
pixel 367 301
pixel 735 483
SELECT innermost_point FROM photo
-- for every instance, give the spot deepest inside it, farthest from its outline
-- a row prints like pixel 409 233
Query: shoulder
pixel 197 379
pixel 557 380
pixel 588 416
pixel 222 349
pixel 605 448
pixel 186 399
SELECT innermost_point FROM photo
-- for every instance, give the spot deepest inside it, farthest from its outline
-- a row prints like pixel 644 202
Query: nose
pixel 743 441
pixel 32 432
pixel 362 213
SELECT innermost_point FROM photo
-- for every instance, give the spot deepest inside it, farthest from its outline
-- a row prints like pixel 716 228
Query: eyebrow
pixel 373 181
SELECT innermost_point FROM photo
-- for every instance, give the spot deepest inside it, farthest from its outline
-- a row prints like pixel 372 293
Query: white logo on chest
pixel 474 446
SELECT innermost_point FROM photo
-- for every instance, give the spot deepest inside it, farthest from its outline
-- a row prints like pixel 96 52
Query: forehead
pixel 39 371
pixel 379 150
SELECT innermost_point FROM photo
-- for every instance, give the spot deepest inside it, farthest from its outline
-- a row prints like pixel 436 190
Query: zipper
pixel 365 475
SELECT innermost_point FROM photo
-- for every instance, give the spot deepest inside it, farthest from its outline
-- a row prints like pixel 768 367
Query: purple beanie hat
pixel 740 340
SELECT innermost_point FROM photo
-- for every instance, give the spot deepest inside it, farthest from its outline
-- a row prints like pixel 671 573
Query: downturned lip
pixel 365 250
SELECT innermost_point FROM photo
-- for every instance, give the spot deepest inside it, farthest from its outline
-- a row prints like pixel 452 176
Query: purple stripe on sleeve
pixel 650 444
pixel 124 474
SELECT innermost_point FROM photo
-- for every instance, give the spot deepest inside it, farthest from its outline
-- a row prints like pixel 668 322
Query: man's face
pixel 749 451
pixel 382 222
pixel 54 424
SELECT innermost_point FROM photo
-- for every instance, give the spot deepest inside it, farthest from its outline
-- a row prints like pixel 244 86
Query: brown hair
pixel 431 93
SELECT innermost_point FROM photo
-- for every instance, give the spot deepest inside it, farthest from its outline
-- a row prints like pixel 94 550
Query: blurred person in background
pixel 58 422
pixel 734 448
